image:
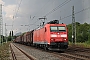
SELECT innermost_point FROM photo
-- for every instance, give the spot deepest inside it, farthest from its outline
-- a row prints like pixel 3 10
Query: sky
pixel 24 14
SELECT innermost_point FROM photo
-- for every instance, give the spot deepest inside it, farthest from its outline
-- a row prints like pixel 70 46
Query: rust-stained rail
pixel 14 57
pixel 13 54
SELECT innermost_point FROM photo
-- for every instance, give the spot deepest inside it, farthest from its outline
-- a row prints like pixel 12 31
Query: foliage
pixel 12 33
pixel 82 32
pixel 4 51
pixel 85 45
pixel 2 39
pixel 9 37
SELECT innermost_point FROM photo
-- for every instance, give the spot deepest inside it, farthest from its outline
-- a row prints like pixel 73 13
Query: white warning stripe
pixel 64 35
pixel 53 35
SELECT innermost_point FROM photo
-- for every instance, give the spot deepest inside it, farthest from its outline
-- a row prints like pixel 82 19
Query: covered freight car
pixel 18 39
pixel 28 38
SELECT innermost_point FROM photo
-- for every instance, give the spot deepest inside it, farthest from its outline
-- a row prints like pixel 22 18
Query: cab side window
pixel 45 29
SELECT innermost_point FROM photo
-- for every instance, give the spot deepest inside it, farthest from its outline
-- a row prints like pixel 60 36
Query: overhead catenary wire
pixel 18 7
pixel 76 13
pixel 16 11
pixel 44 6
pixel 68 15
pixel 40 11
pixel 56 8
pixel 61 5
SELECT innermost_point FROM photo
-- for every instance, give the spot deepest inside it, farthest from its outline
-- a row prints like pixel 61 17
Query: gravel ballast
pixel 39 54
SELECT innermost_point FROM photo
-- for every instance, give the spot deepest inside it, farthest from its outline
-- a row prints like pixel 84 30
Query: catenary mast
pixel 1 25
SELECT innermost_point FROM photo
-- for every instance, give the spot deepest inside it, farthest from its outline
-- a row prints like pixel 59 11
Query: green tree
pixel 12 33
pixel 69 32
pixel 9 37
pixel 82 34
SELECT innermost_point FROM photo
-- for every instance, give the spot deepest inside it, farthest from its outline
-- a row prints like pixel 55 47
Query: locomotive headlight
pixel 52 40
pixel 65 39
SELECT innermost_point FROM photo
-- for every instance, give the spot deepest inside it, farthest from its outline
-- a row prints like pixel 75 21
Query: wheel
pixel 45 47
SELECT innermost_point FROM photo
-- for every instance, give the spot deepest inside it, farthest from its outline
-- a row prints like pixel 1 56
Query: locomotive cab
pixel 58 36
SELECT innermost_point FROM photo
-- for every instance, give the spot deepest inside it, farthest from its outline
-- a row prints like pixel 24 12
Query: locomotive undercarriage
pixel 58 46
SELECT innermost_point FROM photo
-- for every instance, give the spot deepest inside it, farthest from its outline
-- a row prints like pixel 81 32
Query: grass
pixel 4 51
pixel 86 44
pixel 83 45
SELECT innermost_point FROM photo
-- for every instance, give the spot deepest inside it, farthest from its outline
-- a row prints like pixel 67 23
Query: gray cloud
pixel 39 8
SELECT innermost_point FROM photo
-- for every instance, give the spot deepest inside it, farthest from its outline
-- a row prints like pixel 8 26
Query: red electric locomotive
pixel 52 36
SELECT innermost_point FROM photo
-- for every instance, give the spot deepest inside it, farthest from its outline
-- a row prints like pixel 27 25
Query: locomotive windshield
pixel 57 29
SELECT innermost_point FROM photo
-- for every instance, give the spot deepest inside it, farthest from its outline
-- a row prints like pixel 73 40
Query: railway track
pixel 19 54
pixel 38 53
pixel 79 49
pixel 75 53
pixel 69 54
